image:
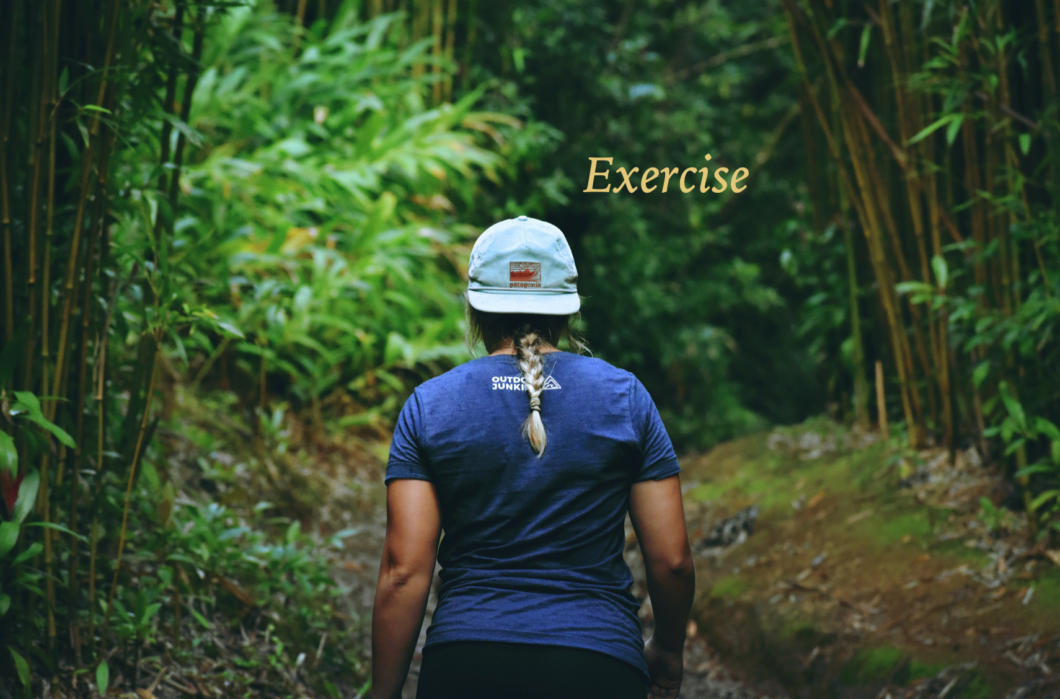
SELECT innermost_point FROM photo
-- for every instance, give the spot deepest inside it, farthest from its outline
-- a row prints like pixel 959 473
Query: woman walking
pixel 529 459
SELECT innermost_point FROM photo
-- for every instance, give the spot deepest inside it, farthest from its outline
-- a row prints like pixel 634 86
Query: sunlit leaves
pixel 316 177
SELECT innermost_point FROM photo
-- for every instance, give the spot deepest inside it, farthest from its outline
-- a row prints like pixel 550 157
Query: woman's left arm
pixel 413 526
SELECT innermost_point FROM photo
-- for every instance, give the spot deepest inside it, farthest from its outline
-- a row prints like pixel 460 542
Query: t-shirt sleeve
pixel 407 459
pixel 659 460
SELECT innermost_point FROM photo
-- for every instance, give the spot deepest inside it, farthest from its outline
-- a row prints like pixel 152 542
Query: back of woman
pixel 526 459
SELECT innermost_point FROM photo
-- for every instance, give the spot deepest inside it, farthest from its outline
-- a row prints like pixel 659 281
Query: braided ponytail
pixel 528 347
pixel 528 333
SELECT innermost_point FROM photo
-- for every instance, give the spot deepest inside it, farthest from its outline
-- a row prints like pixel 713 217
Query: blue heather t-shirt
pixel 532 547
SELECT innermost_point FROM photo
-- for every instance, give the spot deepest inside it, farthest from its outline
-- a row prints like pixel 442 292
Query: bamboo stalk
pixel 100 367
pixel 864 146
pixel 167 126
pixel 873 232
pixel 39 109
pixel 881 404
pixel 437 49
pixel 128 492
pixel 85 182
pixel 907 127
pixel 470 32
pixel 185 115
pixel 862 200
pixel 9 39
pixel 972 184
pixel 942 347
pixel 861 410
pixel 1016 188
pixel 419 30
pixel 97 226
pixel 406 25
pixel 819 200
pixel 210 361
pixel 853 130
pixel 51 67
pixel 450 44
pixel 1045 53
pixel 861 149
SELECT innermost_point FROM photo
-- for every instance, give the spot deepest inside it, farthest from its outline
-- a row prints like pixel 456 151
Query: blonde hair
pixel 528 347
pixel 528 333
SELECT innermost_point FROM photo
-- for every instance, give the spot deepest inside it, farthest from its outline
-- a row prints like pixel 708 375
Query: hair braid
pixel 528 346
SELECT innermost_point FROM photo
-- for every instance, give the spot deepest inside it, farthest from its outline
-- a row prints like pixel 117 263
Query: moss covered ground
pixel 858 577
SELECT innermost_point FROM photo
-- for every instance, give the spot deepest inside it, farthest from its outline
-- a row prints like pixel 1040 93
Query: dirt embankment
pixel 830 568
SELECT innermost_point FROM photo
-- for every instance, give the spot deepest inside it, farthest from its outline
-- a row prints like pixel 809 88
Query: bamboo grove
pixel 71 90
pixel 104 180
pixel 931 136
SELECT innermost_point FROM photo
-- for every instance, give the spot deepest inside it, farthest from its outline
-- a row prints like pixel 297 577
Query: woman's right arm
pixel 657 513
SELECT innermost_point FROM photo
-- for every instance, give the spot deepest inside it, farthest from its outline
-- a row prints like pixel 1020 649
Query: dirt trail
pixel 827 567
pixel 706 677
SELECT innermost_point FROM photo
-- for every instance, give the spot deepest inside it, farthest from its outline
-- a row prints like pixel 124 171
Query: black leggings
pixel 495 670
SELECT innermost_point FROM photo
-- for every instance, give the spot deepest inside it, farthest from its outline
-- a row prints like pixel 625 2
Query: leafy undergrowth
pixel 234 580
pixel 869 573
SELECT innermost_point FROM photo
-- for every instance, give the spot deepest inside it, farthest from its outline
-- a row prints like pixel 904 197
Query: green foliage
pixel 102 678
pixel 998 520
pixel 295 248
pixel 22 668
pixel 317 221
pixel 27 404
pixel 685 290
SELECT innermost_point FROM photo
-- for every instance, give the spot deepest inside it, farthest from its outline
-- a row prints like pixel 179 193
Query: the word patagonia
pixel 652 173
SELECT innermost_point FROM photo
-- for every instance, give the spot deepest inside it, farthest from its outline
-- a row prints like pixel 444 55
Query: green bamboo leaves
pixel 28 406
pixel 952 122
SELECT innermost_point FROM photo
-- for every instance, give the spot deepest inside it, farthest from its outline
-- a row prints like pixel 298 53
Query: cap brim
pixel 539 302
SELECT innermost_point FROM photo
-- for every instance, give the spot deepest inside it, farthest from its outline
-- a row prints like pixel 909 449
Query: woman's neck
pixel 507 346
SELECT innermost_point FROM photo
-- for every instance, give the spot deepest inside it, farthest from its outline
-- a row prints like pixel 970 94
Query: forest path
pixel 706 677
pixel 827 567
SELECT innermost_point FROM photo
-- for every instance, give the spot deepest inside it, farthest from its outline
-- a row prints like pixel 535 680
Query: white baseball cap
pixel 523 265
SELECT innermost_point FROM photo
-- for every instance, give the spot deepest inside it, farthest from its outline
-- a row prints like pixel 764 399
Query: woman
pixel 529 459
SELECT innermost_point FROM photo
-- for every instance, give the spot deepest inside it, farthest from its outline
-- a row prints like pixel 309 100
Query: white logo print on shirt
pixel 515 383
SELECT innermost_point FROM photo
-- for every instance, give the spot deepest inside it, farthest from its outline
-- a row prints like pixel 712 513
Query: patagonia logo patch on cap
pixel 522 265
pixel 524 275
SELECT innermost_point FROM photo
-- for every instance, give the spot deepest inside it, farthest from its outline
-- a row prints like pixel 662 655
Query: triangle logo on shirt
pixel 551 383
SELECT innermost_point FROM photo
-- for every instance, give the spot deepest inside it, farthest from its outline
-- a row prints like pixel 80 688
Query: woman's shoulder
pixel 593 364
pixel 487 370
pixel 469 372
